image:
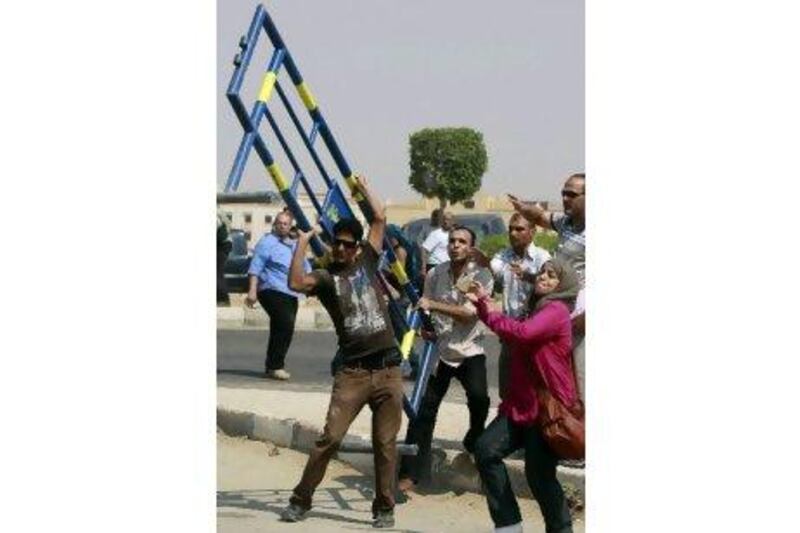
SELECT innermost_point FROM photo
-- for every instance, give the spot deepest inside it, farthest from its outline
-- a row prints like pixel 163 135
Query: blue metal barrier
pixel 334 206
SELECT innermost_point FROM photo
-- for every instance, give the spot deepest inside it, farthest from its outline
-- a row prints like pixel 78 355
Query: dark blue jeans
pixel 498 441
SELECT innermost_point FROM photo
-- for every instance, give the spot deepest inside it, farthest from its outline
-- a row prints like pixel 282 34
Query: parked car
pixel 483 224
pixel 238 262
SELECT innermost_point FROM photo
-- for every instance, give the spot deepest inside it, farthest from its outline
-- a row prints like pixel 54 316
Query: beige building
pixel 254 212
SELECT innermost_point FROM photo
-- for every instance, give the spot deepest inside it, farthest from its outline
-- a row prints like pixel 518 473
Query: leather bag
pixel 563 428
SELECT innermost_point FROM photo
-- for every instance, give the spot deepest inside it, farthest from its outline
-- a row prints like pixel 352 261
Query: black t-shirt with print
pixel 353 297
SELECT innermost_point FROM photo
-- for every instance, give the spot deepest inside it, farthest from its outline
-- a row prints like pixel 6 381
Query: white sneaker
pixel 279 374
pixel 513 528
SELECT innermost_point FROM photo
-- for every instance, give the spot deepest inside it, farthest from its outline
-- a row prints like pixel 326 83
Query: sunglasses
pixel 571 194
pixel 347 244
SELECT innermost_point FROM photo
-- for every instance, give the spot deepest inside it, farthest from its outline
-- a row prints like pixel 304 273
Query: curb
pixel 308 319
pixel 452 470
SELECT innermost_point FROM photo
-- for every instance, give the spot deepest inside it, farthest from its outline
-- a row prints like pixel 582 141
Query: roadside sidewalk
pixel 294 419
pixel 310 315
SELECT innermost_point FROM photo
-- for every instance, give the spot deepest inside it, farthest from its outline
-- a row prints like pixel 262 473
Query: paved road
pixel 241 353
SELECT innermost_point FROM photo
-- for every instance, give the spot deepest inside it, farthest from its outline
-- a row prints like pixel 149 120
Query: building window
pixel 248 218
pixel 267 219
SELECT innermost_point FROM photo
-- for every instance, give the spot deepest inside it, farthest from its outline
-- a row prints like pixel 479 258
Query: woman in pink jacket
pixel 541 356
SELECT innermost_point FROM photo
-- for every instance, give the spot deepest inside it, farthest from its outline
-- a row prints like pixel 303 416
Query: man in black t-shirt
pixel 368 371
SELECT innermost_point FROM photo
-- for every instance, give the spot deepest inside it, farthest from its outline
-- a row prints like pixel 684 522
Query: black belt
pixel 376 361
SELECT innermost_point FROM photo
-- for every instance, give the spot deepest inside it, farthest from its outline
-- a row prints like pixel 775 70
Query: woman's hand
pixel 475 292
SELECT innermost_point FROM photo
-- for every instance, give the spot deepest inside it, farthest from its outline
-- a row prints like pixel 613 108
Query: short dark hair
pixel 465 228
pixel 516 215
pixel 351 226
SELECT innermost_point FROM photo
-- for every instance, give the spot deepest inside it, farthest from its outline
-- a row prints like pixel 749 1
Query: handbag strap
pixel 575 371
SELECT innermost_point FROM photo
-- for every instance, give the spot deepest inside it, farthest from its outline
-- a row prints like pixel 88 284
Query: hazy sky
pixel 513 69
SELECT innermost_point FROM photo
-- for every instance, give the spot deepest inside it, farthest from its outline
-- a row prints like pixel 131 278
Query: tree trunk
pixel 442 205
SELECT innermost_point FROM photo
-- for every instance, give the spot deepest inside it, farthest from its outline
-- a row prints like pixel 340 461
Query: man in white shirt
pixel 571 228
pixel 514 270
pixel 459 346
pixel 434 249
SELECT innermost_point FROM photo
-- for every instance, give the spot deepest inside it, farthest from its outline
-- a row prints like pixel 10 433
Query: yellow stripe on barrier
pixel 278 177
pixel 407 343
pixel 266 87
pixel 399 272
pixel 352 183
pixel 306 96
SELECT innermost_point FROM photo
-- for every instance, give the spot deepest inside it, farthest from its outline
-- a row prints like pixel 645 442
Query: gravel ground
pixel 255 479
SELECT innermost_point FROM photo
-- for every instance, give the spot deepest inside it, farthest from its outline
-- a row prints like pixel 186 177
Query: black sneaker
pixel 293 513
pixel 383 519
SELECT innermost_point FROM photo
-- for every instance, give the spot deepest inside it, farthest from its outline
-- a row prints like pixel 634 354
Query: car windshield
pixel 483 226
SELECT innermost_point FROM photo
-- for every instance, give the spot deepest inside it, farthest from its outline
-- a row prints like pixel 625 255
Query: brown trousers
pixel 352 389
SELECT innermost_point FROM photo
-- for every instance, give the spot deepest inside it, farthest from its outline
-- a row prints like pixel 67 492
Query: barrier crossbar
pixel 334 206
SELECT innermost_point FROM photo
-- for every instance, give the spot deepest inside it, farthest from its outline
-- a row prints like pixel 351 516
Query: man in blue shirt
pixel 269 271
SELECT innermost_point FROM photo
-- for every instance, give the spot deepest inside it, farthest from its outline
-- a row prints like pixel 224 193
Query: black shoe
pixel 293 513
pixel 383 519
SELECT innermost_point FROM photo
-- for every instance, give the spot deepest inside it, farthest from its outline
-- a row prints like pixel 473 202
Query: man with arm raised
pixel 368 371
pixel 571 228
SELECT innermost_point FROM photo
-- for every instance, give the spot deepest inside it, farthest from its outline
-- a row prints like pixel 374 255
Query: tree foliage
pixel 492 244
pixel 447 163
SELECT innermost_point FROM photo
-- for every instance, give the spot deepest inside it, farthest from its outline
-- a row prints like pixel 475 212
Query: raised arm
pixel 541 326
pixel 299 280
pixel 532 211
pixel 377 227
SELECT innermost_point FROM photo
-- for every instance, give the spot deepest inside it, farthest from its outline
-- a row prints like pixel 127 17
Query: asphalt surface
pixel 241 354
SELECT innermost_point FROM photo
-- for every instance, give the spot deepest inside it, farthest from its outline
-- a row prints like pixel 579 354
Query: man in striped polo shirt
pixel 571 228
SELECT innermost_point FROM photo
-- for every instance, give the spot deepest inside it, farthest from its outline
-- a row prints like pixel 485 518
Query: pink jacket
pixel 542 341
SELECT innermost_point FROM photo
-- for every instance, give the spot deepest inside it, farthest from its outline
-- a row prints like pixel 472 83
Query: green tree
pixel 492 244
pixel 447 163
